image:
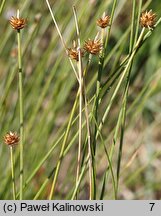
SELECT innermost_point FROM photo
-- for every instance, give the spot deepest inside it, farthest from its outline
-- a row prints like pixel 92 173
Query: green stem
pixel 111 21
pixel 120 81
pixel 21 113
pixel 80 69
pixel 80 119
pixel 108 159
pixel 95 110
pixel 133 27
pixel 61 38
pixel 122 134
pixel 13 173
pixel 138 22
pixel 80 178
pixel 89 143
pixel 2 6
pixel 96 102
pixel 63 148
pixel 43 185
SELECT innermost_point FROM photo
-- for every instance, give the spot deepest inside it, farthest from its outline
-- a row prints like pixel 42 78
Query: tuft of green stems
pixel 82 89
pixel 98 88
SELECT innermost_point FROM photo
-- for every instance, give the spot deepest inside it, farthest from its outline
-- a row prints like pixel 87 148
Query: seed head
pixel 93 46
pixel 104 21
pixel 11 139
pixel 73 53
pixel 17 23
pixel 148 19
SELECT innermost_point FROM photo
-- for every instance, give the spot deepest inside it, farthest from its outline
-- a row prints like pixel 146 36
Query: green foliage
pixel 123 102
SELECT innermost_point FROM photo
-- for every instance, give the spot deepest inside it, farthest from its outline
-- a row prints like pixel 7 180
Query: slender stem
pixel 21 113
pixel 99 75
pixel 80 124
pixel 80 96
pixel 124 106
pixel 61 38
pixel 132 27
pixel 138 21
pixel 13 173
pixel 41 189
pixel 80 178
pixel 43 185
pixel 111 21
pixel 108 159
pixel 2 6
pixel 89 143
pixel 51 195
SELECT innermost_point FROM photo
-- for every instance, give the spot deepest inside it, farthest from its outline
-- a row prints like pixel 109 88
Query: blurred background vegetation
pixel 50 89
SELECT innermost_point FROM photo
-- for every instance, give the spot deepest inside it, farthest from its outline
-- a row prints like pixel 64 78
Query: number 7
pixel 152 205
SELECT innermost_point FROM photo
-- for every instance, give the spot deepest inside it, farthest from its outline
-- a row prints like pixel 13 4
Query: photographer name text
pixel 52 207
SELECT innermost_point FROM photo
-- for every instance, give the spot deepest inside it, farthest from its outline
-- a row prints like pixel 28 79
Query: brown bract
pixel 74 54
pixel 17 23
pixel 93 46
pixel 148 19
pixel 11 138
pixel 103 22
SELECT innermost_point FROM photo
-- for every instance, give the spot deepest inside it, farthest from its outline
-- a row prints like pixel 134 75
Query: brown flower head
pixel 17 23
pixel 93 46
pixel 148 19
pixel 104 21
pixel 74 54
pixel 11 138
